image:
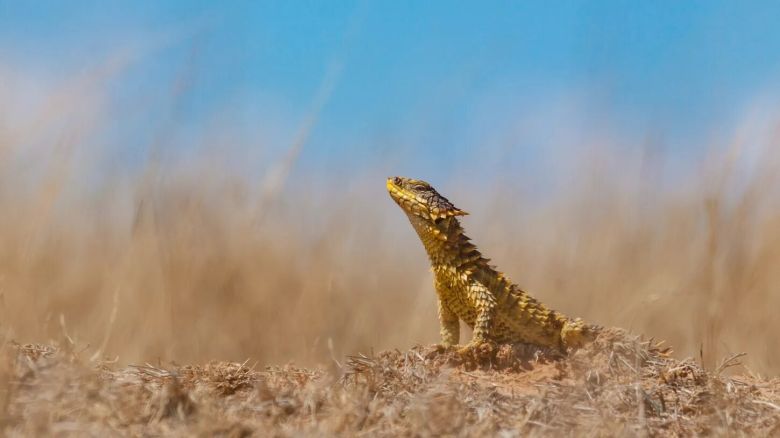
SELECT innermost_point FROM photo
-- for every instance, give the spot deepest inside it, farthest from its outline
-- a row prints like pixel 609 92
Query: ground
pixel 618 385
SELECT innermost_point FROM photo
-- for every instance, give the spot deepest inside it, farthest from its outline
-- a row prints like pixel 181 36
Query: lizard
pixel 469 289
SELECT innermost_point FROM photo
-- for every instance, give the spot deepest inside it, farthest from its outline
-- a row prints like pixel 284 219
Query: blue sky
pixel 442 80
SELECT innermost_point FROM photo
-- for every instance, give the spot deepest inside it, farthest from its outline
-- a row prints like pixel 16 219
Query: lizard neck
pixel 447 245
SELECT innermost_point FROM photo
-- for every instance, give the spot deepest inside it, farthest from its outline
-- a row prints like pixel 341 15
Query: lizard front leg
pixel 485 304
pixel 450 325
pixel 449 322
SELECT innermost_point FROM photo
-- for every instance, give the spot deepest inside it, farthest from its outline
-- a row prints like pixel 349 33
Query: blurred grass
pixel 187 260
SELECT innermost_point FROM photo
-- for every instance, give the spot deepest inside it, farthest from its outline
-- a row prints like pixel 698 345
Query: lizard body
pixel 469 289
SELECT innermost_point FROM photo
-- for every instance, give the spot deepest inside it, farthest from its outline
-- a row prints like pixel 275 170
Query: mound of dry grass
pixel 620 384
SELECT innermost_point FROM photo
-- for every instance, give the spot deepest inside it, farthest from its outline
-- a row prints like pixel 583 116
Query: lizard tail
pixel 575 333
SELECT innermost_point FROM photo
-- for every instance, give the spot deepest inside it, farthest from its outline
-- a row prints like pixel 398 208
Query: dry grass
pixel 191 266
pixel 619 385
pixel 181 257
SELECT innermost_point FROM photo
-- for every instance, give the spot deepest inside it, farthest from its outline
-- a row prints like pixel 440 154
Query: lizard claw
pixel 475 349
pixel 464 350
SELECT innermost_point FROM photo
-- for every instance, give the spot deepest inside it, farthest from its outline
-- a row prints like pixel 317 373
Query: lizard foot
pixel 476 350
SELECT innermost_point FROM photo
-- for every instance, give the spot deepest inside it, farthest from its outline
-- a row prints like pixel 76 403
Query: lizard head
pixel 418 198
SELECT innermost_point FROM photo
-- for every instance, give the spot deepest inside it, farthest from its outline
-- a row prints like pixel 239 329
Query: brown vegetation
pixel 618 385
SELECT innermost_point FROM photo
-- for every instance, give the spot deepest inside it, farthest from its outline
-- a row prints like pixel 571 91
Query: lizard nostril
pixel 397 181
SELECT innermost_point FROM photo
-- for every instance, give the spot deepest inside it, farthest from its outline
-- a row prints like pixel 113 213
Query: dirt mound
pixel 619 384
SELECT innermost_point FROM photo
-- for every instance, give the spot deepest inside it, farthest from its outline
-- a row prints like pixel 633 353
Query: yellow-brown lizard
pixel 470 289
